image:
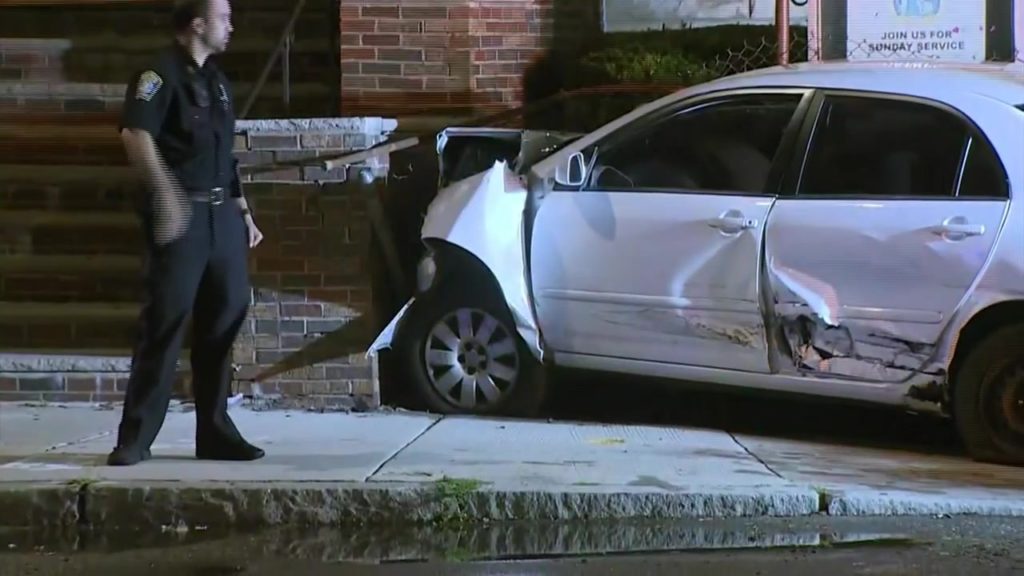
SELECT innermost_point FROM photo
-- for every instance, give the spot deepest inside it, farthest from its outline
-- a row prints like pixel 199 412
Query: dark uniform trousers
pixel 202 274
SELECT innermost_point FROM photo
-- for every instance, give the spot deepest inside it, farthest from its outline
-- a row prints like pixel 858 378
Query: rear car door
pixel 656 257
pixel 898 204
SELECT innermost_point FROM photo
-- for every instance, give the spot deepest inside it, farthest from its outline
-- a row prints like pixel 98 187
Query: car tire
pixel 988 398
pixel 438 374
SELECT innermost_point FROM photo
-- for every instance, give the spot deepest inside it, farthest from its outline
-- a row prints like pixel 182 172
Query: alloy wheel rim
pixel 471 359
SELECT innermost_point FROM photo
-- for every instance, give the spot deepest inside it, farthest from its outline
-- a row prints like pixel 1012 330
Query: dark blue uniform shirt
pixel 188 110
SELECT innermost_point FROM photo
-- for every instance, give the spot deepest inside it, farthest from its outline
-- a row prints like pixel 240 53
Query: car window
pixel 868 146
pixel 726 145
pixel 983 175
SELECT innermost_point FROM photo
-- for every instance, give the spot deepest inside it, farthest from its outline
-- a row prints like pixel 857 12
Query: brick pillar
pixel 404 56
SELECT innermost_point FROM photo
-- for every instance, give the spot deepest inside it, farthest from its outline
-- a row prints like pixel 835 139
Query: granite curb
pixel 136 505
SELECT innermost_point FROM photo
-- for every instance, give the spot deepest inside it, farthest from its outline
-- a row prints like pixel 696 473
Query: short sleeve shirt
pixel 188 109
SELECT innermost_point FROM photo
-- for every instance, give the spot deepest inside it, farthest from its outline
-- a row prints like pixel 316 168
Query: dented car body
pixel 843 230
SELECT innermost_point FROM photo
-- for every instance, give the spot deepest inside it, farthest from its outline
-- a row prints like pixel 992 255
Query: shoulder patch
pixel 149 84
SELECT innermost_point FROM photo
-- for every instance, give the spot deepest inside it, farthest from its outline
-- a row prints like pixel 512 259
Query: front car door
pixel 897 207
pixel 656 257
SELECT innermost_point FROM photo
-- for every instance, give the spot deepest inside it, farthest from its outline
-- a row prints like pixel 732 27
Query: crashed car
pixel 845 230
pixel 437 156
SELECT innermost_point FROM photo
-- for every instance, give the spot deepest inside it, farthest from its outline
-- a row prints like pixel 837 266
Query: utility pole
pixel 782 29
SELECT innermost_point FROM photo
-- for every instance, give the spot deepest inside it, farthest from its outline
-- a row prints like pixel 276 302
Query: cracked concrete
pixel 414 468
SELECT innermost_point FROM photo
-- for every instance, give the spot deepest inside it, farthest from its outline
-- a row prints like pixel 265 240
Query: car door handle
pixel 732 223
pixel 958 229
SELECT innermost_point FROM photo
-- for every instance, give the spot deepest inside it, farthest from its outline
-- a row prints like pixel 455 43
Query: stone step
pixel 65 279
pixel 69 233
pixel 30 312
pixel 95 361
pixel 65 264
pixel 72 188
pixel 24 219
pixel 33 325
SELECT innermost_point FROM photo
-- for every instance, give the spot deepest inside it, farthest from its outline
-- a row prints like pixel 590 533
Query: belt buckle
pixel 216 196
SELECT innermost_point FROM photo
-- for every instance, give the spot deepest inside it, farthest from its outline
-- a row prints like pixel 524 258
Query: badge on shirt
pixel 149 84
pixel 223 96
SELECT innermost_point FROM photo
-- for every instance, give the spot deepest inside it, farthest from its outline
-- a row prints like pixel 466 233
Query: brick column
pixel 403 56
pixel 310 321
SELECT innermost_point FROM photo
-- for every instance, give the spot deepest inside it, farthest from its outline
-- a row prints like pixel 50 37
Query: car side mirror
pixel 572 172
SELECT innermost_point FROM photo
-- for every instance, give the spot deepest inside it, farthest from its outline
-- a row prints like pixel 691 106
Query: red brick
pixel 381 68
pixel 273 142
pixel 514 14
pixel 387 83
pixel 425 69
pixel 333 295
pixel 280 265
pixel 301 310
pixel 380 12
pixel 432 40
pixel 348 12
pixel 351 40
pixel 444 84
pixel 445 26
pixel 506 27
pixel 8 384
pixel 353 81
pixel 493 82
pixel 360 26
pixel 400 55
pixel 491 41
pixel 425 13
pixel 464 13
pixel 352 53
pixel 485 55
pixel 435 55
pixel 399 27
pixel 382 40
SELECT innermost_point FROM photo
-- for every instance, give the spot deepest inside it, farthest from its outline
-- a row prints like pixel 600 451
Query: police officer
pixel 178 130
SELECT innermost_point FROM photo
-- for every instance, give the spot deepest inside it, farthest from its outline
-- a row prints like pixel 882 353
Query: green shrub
pixel 639 64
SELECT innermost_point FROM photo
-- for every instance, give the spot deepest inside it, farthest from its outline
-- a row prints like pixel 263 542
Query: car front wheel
pixel 988 398
pixel 463 355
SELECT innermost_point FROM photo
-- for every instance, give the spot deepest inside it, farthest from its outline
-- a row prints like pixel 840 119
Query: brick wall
pixel 310 321
pixel 403 56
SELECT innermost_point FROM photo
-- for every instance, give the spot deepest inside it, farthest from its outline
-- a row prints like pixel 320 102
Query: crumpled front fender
pixel 483 215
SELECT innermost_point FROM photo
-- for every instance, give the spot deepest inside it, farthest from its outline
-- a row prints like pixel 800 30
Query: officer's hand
pixel 173 212
pixel 255 236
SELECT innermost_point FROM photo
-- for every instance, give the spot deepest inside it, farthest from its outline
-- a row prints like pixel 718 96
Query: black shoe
pixel 237 451
pixel 128 456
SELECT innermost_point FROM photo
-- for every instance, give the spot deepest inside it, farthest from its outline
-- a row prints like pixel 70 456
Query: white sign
pixel 634 15
pixel 916 29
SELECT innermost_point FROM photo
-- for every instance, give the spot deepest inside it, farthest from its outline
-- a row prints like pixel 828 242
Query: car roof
pixel 1003 82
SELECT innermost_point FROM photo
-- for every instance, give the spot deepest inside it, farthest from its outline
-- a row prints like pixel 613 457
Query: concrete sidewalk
pixel 404 467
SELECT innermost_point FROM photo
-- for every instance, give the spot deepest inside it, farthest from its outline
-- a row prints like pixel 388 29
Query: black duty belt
pixel 212 195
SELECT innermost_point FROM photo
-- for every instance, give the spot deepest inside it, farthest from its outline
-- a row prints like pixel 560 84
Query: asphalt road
pixel 934 547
